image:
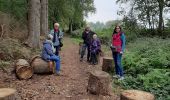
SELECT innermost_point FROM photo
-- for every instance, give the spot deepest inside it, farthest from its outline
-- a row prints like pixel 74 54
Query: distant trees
pixel 149 12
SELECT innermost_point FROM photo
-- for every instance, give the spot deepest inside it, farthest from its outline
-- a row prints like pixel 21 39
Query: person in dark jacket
pixel 118 48
pixel 48 53
pixel 57 38
pixel 95 48
pixel 87 36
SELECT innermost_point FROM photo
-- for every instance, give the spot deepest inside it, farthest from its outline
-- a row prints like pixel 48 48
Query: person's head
pixel 49 37
pixel 95 36
pixel 117 29
pixel 56 26
pixel 87 29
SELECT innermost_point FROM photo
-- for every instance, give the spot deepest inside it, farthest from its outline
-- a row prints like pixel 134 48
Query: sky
pixel 106 10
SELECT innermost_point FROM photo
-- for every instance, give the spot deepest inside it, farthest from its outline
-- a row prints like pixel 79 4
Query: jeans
pixel 118 63
pixel 56 59
pixel 84 47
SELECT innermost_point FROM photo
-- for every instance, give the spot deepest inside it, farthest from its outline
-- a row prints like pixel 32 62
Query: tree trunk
pixel 42 67
pixel 99 83
pixel 136 95
pixel 23 69
pixel 108 64
pixel 34 23
pixel 44 17
pixel 161 6
pixel 7 94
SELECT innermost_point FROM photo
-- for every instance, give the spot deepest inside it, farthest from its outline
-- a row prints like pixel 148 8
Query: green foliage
pixel 147 66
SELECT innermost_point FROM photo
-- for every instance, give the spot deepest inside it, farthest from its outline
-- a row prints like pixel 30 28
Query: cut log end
pixel 25 72
pixel 7 94
pixel 23 69
pixel 136 95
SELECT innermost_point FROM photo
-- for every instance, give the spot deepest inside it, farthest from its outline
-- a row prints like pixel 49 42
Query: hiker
pixel 87 36
pixel 95 48
pixel 57 38
pixel 118 47
pixel 48 53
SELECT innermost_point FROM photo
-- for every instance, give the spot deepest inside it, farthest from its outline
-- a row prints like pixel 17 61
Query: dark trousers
pixel 57 50
pixel 84 47
pixel 93 59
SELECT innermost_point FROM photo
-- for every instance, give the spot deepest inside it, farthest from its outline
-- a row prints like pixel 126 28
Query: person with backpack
pixel 95 48
pixel 48 53
pixel 118 48
pixel 57 38
pixel 87 36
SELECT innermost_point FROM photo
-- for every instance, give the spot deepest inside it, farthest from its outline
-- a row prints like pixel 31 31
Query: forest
pixel 146 61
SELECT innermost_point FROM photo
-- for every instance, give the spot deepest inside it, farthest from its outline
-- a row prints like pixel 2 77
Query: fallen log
pixel 108 64
pixel 41 66
pixel 99 83
pixel 23 69
pixel 7 94
pixel 136 95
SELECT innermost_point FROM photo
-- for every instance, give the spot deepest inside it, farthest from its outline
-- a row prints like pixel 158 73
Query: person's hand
pixel 121 52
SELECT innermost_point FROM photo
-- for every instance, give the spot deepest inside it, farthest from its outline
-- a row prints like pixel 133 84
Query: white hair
pixel 56 24
pixel 50 36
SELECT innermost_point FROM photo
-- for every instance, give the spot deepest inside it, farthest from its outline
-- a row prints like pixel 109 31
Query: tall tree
pixel 44 17
pixel 34 23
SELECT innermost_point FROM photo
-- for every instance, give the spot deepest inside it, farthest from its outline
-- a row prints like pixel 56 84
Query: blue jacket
pixel 47 50
pixel 123 38
pixel 56 43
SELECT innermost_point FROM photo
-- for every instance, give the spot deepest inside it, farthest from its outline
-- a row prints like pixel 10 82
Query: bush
pixel 147 66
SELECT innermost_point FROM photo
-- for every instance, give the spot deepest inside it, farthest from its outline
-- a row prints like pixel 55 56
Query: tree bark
pixel 44 17
pixel 108 64
pixel 42 67
pixel 34 23
pixel 161 7
pixel 99 83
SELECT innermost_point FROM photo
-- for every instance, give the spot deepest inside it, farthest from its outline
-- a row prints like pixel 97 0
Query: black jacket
pixel 87 37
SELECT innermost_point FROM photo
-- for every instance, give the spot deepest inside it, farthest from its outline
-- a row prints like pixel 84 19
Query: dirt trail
pixel 71 85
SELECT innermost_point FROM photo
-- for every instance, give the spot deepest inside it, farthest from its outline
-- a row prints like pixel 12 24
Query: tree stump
pixel 107 64
pixel 7 94
pixel 136 95
pixel 23 69
pixel 99 83
pixel 41 66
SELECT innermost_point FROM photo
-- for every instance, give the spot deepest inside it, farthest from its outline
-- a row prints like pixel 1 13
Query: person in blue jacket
pixel 118 48
pixel 48 53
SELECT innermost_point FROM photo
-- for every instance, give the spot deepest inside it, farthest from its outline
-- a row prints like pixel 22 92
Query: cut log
pixel 41 66
pixel 99 83
pixel 23 69
pixel 108 64
pixel 7 94
pixel 136 95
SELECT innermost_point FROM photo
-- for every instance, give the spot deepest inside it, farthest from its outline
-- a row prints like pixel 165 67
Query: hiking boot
pixel 81 59
pixel 116 76
pixel 121 78
pixel 57 74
